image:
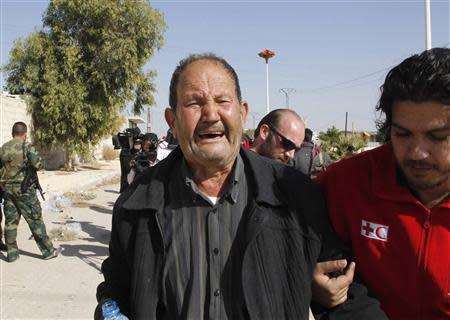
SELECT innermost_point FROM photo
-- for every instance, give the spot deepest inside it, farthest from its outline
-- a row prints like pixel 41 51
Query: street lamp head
pixel 266 54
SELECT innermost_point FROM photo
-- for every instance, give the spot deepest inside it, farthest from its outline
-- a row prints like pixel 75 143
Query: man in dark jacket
pixel 310 159
pixel 214 231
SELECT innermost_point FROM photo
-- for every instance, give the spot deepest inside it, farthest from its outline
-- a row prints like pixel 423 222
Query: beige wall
pixel 12 109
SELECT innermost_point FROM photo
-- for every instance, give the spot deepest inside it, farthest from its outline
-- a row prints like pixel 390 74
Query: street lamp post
pixel 266 55
pixel 427 25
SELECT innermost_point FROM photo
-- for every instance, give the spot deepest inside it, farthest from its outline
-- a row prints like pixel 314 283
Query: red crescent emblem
pixel 381 232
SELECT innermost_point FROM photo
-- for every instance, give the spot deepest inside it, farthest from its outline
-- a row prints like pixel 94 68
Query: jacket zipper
pixel 158 223
pixel 423 258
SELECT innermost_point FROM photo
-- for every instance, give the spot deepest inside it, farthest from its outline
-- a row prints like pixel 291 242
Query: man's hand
pixel 132 163
pixel 331 291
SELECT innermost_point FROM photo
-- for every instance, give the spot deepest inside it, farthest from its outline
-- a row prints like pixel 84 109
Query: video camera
pixel 125 140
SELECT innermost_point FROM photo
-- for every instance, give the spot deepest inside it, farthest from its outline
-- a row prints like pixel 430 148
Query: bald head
pixel 279 134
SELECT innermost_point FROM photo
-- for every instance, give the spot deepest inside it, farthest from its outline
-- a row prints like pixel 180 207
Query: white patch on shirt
pixel 374 230
pixel 213 199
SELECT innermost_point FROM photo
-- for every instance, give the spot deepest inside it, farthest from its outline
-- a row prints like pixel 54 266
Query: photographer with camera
pixel 145 158
pixel 129 141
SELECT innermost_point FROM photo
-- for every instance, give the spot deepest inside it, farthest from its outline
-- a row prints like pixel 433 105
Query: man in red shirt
pixel 392 203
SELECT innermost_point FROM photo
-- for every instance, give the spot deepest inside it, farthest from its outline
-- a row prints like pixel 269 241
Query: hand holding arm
pixel 330 291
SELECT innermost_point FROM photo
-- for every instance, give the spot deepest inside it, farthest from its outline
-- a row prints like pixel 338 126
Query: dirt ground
pixel 64 287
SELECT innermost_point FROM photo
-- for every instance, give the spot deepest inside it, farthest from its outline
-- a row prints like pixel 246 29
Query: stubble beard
pixel 427 184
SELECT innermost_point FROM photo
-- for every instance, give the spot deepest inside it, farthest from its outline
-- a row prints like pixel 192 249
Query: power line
pixel 347 81
pixel 287 92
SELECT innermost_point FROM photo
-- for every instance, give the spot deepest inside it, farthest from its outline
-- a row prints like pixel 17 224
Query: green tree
pixel 250 133
pixel 83 67
pixel 337 145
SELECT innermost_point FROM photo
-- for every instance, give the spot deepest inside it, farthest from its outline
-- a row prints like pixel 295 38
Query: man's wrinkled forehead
pixel 204 73
pixel 404 117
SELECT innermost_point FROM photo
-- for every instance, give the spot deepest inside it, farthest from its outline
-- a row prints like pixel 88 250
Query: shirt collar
pixel 147 191
pixel 232 190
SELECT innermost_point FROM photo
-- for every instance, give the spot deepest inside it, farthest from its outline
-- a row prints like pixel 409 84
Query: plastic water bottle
pixel 111 311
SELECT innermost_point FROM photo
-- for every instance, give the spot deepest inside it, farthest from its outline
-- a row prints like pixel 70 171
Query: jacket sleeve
pixel 33 157
pixel 312 204
pixel 360 304
pixel 115 269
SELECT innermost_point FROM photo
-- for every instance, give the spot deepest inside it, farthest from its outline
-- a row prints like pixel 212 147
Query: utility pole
pixel 346 117
pixel 287 92
pixel 427 25
pixel 149 127
pixel 253 115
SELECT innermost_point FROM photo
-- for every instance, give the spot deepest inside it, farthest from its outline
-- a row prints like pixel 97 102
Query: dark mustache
pixel 215 127
pixel 419 164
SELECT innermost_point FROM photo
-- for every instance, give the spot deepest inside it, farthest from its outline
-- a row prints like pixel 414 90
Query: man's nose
pixel 210 112
pixel 290 154
pixel 418 150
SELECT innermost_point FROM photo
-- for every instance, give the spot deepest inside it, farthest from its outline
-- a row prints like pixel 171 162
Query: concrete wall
pixel 12 109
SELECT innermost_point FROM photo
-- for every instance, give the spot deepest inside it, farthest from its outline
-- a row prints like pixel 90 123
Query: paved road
pixel 61 288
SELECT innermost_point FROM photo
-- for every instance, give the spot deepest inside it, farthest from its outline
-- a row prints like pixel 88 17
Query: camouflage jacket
pixel 13 155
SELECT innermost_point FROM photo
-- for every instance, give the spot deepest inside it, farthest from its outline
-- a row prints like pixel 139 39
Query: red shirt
pixel 401 248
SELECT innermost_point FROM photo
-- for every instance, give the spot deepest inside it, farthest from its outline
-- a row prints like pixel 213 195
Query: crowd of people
pixel 220 228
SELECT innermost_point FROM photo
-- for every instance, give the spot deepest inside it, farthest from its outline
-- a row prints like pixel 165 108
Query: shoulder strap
pixel 25 159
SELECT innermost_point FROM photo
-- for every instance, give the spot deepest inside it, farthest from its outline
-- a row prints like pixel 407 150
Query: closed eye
pixel 222 99
pixel 401 134
pixel 192 104
pixel 438 138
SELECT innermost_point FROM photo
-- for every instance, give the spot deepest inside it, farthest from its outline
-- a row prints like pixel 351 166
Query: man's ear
pixel 264 131
pixel 169 114
pixel 244 113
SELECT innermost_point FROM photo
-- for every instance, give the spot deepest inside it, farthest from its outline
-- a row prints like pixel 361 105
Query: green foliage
pixel 81 69
pixel 250 133
pixel 337 145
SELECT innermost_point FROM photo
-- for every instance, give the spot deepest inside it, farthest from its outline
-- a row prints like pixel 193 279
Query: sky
pixel 334 54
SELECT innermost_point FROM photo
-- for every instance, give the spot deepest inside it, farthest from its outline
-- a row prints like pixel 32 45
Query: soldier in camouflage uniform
pixel 13 155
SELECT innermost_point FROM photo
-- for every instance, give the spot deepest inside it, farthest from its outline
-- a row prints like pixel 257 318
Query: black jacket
pixel 303 160
pixel 286 232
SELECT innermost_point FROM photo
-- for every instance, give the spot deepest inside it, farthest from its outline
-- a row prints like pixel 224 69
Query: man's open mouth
pixel 211 135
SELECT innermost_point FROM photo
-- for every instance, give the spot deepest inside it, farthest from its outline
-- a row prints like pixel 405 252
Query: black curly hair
pixel 419 78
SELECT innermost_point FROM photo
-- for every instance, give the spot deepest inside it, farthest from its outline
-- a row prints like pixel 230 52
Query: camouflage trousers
pixel 26 204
